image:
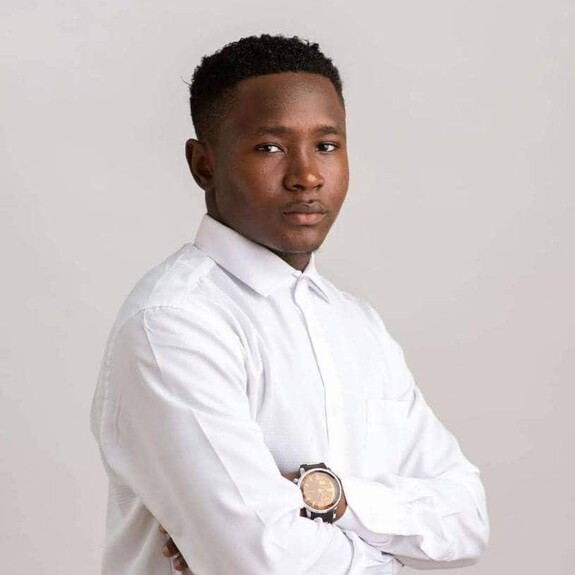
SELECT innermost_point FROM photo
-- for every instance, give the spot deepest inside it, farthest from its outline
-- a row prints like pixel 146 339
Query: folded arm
pixel 179 432
pixel 431 511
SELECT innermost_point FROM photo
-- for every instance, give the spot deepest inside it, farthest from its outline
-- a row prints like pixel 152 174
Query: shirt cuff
pixel 381 510
pixel 371 561
pixel 372 507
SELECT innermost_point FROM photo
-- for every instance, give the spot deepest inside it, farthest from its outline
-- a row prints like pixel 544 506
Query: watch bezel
pixel 332 507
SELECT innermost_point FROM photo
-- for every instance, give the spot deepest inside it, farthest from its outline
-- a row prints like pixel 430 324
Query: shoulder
pixel 174 306
pixel 177 285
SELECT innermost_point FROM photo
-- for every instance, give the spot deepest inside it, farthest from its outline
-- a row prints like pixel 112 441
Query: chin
pixel 303 243
pixel 297 249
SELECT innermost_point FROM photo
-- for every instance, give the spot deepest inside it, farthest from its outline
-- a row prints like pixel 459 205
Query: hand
pixel 172 551
pixel 291 475
pixel 341 507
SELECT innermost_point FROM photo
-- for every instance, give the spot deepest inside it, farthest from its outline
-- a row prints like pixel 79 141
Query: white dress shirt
pixel 226 367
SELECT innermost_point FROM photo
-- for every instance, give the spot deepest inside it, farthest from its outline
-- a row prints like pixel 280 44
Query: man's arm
pixel 171 550
pixel 432 513
pixel 177 429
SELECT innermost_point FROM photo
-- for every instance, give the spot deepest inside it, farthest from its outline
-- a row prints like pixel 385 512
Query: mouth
pixel 304 214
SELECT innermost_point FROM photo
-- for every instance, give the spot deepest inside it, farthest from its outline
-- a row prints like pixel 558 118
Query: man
pixel 234 367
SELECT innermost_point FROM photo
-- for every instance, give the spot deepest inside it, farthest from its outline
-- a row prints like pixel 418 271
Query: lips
pixel 302 214
pixel 305 208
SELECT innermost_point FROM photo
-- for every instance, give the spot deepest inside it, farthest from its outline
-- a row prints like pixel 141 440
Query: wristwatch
pixel 321 490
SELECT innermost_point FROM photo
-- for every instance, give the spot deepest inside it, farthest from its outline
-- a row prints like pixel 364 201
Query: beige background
pixel 458 228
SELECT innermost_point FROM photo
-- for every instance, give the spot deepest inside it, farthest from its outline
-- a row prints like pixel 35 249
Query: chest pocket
pixel 386 422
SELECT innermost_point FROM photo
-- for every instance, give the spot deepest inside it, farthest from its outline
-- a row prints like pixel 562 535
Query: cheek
pixel 249 170
pixel 337 170
pixel 247 189
pixel 340 177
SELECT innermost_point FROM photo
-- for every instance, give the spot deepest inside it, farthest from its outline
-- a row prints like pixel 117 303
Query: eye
pixel 327 147
pixel 269 148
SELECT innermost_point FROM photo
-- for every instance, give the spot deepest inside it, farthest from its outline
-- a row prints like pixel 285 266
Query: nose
pixel 303 173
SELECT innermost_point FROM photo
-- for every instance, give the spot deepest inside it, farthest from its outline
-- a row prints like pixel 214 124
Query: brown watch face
pixel 320 490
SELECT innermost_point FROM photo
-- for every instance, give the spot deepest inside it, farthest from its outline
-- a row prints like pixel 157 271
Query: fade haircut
pixel 211 89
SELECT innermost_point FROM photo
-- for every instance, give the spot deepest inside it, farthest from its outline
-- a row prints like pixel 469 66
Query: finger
pixel 291 475
pixel 162 530
pixel 170 549
pixel 180 563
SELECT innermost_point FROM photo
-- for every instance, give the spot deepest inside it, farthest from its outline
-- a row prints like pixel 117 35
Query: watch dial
pixel 320 490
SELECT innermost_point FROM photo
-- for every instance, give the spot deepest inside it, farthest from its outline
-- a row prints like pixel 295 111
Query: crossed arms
pixel 202 468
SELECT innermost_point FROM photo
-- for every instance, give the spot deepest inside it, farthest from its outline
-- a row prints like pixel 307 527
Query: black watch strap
pixel 327 518
pixel 308 466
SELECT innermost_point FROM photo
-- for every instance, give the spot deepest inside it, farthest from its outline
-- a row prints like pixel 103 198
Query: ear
pixel 200 163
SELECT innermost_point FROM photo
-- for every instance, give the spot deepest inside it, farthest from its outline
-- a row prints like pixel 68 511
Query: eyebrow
pixel 323 130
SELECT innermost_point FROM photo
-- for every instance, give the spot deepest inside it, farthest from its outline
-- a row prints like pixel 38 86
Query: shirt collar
pixel 253 264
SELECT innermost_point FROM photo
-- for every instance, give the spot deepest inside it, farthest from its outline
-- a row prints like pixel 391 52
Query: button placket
pixel 333 396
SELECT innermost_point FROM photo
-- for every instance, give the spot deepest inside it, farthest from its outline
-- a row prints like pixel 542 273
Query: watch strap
pixel 307 466
pixel 326 517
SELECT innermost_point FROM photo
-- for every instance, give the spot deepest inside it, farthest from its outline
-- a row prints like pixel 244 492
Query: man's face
pixel 278 171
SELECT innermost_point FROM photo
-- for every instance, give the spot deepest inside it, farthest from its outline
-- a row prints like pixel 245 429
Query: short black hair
pixel 251 56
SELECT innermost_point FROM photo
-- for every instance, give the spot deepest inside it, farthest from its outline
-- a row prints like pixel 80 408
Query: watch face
pixel 320 490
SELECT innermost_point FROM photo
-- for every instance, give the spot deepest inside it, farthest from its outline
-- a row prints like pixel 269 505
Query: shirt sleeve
pixel 176 428
pixel 432 513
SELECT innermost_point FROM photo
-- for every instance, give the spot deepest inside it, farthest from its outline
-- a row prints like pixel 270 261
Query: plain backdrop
pixel 458 228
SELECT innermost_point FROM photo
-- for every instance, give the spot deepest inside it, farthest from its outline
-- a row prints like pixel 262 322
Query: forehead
pixel 295 101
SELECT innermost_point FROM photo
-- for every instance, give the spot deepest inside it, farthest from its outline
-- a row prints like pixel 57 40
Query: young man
pixel 234 367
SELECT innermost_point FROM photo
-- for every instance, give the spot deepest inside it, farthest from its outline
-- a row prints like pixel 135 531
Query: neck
pixel 299 261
